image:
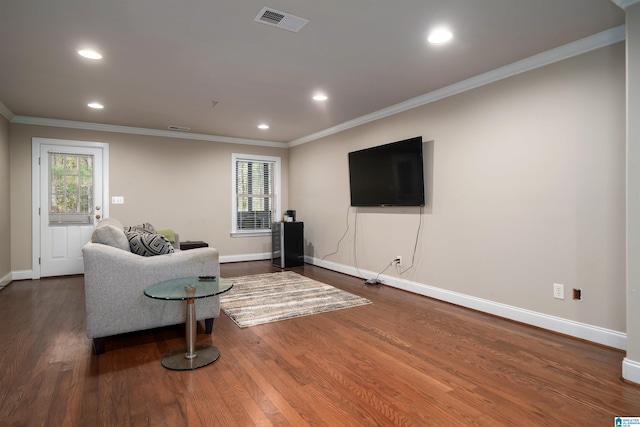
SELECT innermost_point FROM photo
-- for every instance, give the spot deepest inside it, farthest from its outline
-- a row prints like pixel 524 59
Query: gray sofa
pixel 115 279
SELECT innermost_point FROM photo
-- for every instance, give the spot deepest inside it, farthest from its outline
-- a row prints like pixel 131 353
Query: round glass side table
pixel 189 289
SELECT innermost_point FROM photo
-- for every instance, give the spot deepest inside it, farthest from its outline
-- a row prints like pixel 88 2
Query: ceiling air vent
pixel 279 19
pixel 179 128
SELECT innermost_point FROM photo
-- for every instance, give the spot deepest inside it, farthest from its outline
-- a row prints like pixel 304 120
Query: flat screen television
pixel 388 175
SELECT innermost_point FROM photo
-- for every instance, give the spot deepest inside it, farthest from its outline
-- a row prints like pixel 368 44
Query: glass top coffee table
pixel 189 289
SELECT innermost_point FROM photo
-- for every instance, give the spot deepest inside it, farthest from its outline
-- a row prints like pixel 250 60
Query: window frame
pixel 235 157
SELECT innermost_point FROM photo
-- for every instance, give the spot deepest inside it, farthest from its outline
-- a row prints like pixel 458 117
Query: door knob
pixel 98 216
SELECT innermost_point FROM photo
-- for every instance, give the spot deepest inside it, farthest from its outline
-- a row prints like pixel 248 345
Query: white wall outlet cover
pixel 558 291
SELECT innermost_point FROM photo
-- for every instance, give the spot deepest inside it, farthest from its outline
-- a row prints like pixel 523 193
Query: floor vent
pixel 280 19
pixel 179 128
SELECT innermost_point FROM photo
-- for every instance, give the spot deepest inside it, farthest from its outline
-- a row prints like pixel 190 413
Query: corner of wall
pixel 631 370
pixel 4 281
pixel 5 198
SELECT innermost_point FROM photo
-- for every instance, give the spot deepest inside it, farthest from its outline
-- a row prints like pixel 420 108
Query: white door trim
pixel 35 188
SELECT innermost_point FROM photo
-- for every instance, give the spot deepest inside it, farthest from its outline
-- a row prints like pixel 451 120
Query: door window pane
pixel 71 188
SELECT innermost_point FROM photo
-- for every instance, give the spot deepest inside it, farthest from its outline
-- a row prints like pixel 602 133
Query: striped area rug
pixel 265 298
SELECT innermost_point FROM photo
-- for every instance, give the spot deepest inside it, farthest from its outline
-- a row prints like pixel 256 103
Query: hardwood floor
pixel 404 360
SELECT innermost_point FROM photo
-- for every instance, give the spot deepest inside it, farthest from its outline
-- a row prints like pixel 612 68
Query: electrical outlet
pixel 558 291
pixel 398 261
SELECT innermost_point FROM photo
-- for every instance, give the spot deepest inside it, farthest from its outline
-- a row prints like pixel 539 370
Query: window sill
pixel 261 233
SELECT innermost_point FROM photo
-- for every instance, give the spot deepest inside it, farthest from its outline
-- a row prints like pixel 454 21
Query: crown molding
pixel 38 121
pixel 4 110
pixel 623 4
pixel 596 41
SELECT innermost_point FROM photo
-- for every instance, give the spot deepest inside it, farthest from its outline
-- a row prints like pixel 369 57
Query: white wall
pixel 526 187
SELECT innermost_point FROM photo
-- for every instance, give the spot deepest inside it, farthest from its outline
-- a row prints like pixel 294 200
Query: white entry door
pixel 71 202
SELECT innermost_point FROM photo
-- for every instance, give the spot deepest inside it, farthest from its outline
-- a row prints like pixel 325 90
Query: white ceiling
pixel 166 62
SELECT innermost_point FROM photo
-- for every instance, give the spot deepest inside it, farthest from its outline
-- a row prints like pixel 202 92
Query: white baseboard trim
pixel 245 257
pixel 4 281
pixel 22 275
pixel 631 370
pixel 572 328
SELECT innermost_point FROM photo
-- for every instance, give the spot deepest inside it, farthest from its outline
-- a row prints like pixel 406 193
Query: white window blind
pixel 256 191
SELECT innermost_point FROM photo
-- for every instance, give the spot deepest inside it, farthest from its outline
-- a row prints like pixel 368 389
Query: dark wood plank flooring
pixel 404 360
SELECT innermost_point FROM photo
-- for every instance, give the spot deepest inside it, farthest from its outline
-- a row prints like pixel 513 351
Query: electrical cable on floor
pixel 377 281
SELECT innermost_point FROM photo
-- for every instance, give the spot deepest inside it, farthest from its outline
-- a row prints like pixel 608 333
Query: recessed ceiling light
pixel 320 97
pixel 440 35
pixel 95 105
pixel 263 126
pixel 91 54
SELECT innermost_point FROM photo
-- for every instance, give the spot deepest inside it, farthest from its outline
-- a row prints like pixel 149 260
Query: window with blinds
pixel 255 190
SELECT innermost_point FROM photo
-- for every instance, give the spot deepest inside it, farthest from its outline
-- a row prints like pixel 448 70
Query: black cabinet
pixel 287 244
pixel 185 246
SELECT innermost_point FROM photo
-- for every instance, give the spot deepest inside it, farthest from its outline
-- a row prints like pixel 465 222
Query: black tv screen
pixel 388 175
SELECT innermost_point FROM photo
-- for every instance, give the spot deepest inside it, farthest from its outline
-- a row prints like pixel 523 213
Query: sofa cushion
pixel 109 232
pixel 147 244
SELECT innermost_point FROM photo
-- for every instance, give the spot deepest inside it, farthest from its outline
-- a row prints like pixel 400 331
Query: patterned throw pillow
pixel 147 244
pixel 142 228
